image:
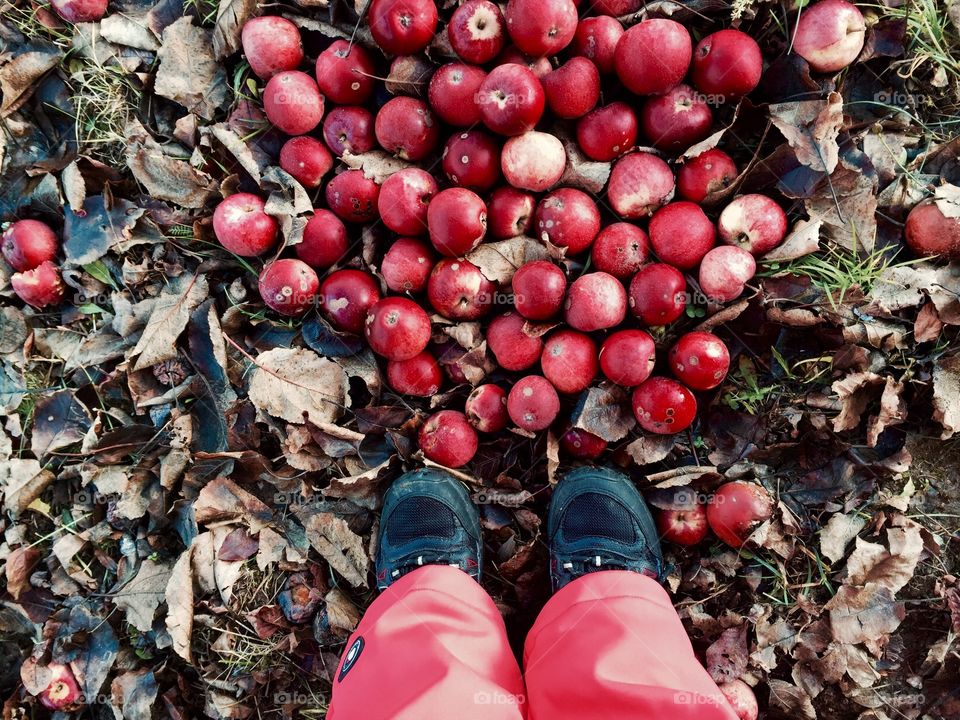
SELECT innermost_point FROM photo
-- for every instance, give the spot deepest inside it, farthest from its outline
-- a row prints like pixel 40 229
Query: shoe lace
pixel 413 561
pixel 577 565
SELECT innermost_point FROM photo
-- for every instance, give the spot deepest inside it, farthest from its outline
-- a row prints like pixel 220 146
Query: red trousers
pixel 609 645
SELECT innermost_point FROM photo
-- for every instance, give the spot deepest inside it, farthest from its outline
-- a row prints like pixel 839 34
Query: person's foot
pixel 427 519
pixel 599 521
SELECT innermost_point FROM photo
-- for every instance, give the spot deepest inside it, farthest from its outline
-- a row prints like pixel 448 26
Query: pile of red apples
pixel 485 166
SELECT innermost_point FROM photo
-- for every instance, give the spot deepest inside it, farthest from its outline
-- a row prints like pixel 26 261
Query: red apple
pixel 627 357
pixel 608 132
pixel 477 31
pixel 406 128
pixel 741 698
pixel 700 360
pixel 80 11
pixel 658 294
pixel 683 524
pixel 596 38
pixel 271 44
pixel 620 249
pixel 653 56
pixel 419 376
pixel 454 93
pixel 510 212
pixel 447 438
pixel 533 161
pixel 573 89
pixel 28 243
pixel 725 271
pixel 583 445
pixel 538 289
pixel 677 119
pixel 664 406
pixel 346 297
pixel 708 172
pixel 755 223
pixel 541 27
pixel 486 408
pixel 349 129
pixel 681 234
pixel 306 160
pixel 324 241
pixel 727 64
pixel 404 200
pixel 568 218
pixel 353 197
pixel 62 692
pixel 830 35
pixel 459 291
pixel 569 361
pixel 595 301
pixel 397 328
pixel 736 509
pixel 511 100
pixel 639 184
pixel 931 233
pixel 242 226
pixel 511 346
pixel 471 159
pixel 292 102
pixel 289 286
pixel 402 27
pixel 346 73
pixel 533 403
pixel 39 287
pixel 457 220
pixel 407 265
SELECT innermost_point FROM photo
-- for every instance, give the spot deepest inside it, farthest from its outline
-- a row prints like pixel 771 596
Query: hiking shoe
pixel 599 521
pixel 427 519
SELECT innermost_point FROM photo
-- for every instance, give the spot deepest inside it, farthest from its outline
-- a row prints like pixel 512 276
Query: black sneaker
pixel 599 521
pixel 427 519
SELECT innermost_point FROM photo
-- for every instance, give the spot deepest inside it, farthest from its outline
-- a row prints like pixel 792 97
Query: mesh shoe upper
pixel 427 519
pixel 599 521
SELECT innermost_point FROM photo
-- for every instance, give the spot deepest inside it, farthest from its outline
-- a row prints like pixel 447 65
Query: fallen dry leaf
pixel 298 385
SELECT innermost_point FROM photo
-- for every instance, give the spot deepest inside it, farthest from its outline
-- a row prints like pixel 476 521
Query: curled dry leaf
pixel 855 391
pixel 168 318
pixel 298 385
pixel 498 261
pixel 604 411
pixel 142 595
pixel 803 240
pixel 839 532
pixel 376 164
pixel 946 394
pixel 165 177
pixel 188 72
pixel 727 656
pixel 864 614
pixel 342 548
pixel 811 128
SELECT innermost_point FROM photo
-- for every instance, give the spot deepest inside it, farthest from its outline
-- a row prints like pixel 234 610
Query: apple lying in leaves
pixel 929 232
pixel 271 45
pixel 533 403
pixel 242 226
pixel 830 35
pixel 486 408
pixel 685 524
pixel 725 271
pixel 28 243
pixel 581 444
pixel 754 222
pixel 40 287
pixel 736 509
pixel 741 698
pixel 62 692
pixel 289 286
pixel 80 11
pixel 447 438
